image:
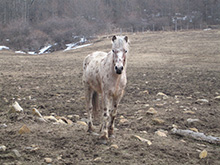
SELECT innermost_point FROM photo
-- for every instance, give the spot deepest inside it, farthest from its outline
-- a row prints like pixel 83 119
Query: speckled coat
pixel 105 74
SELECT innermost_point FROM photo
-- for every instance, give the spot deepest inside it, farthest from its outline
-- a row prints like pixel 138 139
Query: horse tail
pixel 95 105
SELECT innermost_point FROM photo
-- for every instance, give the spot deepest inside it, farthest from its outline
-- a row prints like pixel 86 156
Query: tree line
pixel 30 24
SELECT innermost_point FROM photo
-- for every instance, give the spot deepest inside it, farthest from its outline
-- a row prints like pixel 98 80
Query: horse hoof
pixel 112 137
pixel 91 130
pixel 103 141
pixel 94 133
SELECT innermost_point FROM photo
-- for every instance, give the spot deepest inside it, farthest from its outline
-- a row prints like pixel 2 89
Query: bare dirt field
pixel 183 67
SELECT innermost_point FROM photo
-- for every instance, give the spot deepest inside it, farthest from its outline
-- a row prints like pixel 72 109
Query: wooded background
pixel 31 24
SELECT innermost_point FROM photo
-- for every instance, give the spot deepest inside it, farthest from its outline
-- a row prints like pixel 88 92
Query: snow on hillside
pixel 4 47
pixel 77 45
pixel 46 49
pixel 73 46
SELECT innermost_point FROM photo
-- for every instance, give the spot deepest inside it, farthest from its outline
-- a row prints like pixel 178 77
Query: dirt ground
pixel 184 66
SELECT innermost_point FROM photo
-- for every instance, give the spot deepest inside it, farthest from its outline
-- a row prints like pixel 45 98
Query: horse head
pixel 120 48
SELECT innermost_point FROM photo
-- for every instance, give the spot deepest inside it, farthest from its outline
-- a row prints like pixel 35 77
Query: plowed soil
pixel 184 66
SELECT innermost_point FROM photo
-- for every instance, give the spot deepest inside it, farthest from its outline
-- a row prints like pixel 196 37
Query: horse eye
pixel 113 51
pixel 126 51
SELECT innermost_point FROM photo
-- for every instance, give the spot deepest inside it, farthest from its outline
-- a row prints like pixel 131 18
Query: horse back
pixel 91 69
pixel 95 57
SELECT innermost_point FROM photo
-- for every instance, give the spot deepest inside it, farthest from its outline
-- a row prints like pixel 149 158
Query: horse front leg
pixel 113 116
pixel 112 121
pixel 105 119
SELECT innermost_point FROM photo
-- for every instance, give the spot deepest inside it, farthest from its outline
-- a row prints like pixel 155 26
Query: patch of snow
pixel 44 49
pixel 32 53
pixel 72 46
pixel 83 39
pixel 81 46
pixel 207 29
pixel 20 52
pixel 76 47
pixel 4 47
pixel 69 46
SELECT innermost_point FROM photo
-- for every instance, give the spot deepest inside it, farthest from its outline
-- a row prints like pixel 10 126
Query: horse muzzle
pixel 119 70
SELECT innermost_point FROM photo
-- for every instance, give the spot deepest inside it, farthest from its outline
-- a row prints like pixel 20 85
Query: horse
pixel 105 74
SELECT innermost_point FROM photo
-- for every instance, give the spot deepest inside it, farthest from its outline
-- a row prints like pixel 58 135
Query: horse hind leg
pixel 95 105
pixel 89 106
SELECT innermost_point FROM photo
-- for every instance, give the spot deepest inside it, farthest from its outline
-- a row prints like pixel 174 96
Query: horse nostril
pixel 116 68
pixel 122 68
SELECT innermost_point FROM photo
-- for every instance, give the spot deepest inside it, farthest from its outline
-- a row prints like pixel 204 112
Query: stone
pixel 183 141
pixel 146 92
pixel 158 121
pixel 194 129
pixel 16 153
pixel 114 146
pixel 48 160
pixel 3 148
pixel 65 120
pixel 202 101
pixel 59 157
pixel 35 112
pixel 6 100
pixel 189 120
pixel 24 130
pixel 139 111
pixel 50 118
pixel 137 102
pixel 217 98
pixel 60 121
pixel 69 116
pixel 97 159
pixel 3 125
pixel 121 117
pixel 141 139
pixel 40 119
pixel 161 133
pixel 123 121
pixel 203 154
pixel 82 98
pixel 140 118
pixel 159 105
pixel 81 123
pixel 151 111
pixel 16 108
pixel 189 112
pixel 32 148
pixel 146 105
pixel 163 95
pixel 76 116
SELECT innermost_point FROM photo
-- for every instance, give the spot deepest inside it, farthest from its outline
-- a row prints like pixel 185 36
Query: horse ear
pixel 126 38
pixel 113 38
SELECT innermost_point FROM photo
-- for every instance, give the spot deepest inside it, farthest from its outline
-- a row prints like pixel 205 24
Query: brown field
pixel 183 65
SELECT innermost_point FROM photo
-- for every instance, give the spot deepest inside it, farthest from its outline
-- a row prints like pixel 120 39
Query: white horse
pixel 105 74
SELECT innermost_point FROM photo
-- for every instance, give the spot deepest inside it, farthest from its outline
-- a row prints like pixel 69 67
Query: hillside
pixel 176 73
